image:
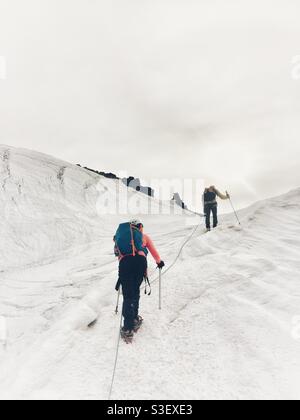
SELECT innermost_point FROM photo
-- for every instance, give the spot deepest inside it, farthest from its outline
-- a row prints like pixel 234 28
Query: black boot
pixel 127 336
pixel 138 323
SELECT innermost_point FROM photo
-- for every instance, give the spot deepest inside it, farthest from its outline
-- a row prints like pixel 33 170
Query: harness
pixel 210 202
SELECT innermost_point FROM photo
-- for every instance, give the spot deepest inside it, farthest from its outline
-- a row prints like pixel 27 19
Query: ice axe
pixel 118 301
pixel 160 290
pixel 236 215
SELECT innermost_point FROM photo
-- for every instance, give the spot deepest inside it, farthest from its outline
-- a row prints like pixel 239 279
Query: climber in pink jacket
pixel 132 271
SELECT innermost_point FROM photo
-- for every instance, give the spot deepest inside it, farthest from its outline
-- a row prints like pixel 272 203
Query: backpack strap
pixel 132 241
pixel 118 253
pixel 147 283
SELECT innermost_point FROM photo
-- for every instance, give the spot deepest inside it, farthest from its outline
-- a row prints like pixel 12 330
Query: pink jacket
pixel 148 243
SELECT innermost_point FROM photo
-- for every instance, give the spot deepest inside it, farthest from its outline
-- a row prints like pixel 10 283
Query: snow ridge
pixel 229 309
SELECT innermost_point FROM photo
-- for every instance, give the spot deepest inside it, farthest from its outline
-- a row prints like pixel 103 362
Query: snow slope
pixel 227 328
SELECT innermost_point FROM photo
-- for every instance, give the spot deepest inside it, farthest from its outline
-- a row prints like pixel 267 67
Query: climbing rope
pixel 116 359
pixel 190 237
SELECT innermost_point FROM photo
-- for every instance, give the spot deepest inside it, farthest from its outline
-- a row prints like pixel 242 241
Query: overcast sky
pixel 158 88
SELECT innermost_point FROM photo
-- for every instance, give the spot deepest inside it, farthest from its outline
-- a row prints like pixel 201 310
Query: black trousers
pixel 132 271
pixel 208 210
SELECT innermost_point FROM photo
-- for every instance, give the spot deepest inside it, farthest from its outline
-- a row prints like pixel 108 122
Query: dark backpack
pixel 209 196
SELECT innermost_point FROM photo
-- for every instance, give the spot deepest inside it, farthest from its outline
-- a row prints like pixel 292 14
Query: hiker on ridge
pixel 132 246
pixel 211 205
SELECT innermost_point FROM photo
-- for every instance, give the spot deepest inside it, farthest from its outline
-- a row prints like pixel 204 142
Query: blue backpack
pixel 128 241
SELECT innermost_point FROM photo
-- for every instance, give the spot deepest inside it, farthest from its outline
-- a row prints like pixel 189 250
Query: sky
pixel 167 89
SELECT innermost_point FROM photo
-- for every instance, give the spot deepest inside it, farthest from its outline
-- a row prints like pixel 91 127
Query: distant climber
pixel 211 205
pixel 131 247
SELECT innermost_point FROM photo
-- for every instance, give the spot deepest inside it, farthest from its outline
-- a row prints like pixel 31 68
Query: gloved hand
pixel 161 265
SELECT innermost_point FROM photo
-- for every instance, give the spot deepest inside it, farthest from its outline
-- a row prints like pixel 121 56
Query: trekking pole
pixel 160 290
pixel 118 301
pixel 236 215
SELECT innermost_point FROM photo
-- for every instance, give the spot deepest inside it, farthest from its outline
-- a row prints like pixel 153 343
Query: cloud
pixel 163 88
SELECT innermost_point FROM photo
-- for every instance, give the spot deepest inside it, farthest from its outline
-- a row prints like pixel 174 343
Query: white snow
pixel 228 328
